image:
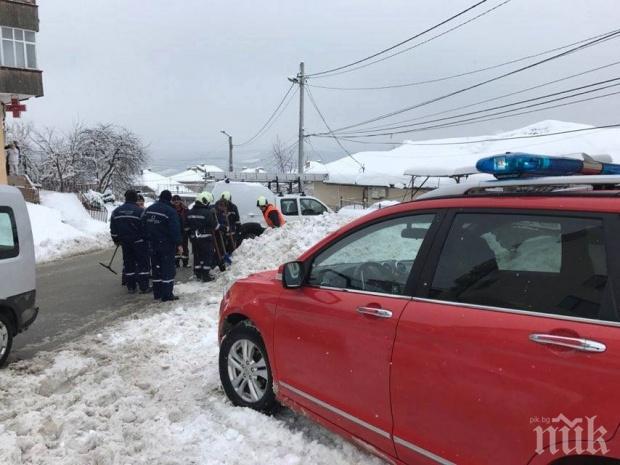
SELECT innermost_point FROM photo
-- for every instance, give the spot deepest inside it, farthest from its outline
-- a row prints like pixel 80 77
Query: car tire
pixel 6 338
pixel 245 371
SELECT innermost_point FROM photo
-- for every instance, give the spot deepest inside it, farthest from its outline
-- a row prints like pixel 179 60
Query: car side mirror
pixel 293 275
pixel 413 233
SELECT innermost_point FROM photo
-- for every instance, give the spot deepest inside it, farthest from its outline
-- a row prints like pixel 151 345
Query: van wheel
pixel 245 372
pixel 6 337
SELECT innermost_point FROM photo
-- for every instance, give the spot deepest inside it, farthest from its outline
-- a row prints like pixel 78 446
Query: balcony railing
pixel 29 2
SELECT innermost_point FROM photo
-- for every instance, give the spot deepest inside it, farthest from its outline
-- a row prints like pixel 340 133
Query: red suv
pixel 472 330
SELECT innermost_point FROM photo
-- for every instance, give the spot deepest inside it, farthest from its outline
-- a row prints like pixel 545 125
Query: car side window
pixel 289 207
pixel 546 264
pixel 9 244
pixel 311 207
pixel 377 258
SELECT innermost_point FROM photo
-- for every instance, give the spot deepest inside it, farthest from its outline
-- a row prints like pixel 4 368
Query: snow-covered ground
pixel 147 391
pixel 62 227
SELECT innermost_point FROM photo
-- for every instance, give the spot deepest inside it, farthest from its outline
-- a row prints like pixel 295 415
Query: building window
pixel 18 48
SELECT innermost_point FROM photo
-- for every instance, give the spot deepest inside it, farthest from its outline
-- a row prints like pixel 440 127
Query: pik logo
pixel 578 436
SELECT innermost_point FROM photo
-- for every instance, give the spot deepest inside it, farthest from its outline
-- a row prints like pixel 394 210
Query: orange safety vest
pixel 266 213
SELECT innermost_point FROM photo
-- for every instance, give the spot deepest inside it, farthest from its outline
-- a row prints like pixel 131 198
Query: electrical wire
pixel 492 99
pixel 591 43
pixel 454 76
pixel 269 120
pixel 464 142
pixel 498 107
pixel 492 117
pixel 458 26
pixel 316 107
pixel 392 47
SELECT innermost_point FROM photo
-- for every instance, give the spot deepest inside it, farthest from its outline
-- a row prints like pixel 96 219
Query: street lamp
pixel 230 151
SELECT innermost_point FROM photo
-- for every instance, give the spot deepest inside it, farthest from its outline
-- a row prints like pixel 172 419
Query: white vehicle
pixel 245 195
pixel 17 267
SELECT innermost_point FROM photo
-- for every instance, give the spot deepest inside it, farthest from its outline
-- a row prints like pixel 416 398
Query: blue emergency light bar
pixel 522 165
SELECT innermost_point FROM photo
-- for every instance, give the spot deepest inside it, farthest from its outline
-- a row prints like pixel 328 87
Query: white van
pixel 17 268
pixel 245 195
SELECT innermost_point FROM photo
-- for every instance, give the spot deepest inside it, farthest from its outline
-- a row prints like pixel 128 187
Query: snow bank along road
pixel 146 390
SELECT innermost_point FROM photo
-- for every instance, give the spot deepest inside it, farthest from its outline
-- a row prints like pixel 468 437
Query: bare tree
pixel 112 156
pixel 60 157
pixel 283 157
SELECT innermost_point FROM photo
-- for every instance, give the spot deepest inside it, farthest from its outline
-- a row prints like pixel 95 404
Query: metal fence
pixel 99 215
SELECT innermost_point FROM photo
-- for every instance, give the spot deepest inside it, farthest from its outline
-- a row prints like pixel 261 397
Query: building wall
pixel 3 173
pixel 337 195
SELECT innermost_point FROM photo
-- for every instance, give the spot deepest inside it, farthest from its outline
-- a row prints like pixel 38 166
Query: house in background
pixel 195 177
pixel 20 77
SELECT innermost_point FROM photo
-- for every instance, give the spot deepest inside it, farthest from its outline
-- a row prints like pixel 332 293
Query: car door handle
pixel 378 312
pixel 576 343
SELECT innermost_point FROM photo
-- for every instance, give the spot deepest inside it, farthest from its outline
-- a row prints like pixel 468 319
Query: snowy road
pixel 77 296
pixel 145 389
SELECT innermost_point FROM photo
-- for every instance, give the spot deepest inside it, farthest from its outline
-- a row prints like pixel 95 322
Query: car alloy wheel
pixel 245 372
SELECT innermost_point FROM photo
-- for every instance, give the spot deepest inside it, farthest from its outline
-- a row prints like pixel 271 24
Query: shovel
pixel 109 265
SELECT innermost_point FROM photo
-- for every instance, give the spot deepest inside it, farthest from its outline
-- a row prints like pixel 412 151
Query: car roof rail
pixel 539 185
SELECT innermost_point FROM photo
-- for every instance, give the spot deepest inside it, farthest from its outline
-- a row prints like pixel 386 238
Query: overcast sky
pixel 177 72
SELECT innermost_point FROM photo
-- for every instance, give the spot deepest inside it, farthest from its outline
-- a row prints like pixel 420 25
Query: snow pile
pixel 147 390
pixel 62 227
pixel 355 211
pixel 459 155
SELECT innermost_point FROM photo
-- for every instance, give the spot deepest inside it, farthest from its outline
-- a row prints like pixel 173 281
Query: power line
pixel 458 26
pixel 454 76
pixel 370 57
pixel 430 144
pixel 485 110
pixel 492 117
pixel 492 99
pixel 269 120
pixel 591 43
pixel 316 107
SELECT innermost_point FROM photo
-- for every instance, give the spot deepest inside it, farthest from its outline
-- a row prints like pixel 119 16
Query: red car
pixel 474 329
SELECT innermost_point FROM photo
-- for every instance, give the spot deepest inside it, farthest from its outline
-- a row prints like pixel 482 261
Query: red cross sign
pixel 16 108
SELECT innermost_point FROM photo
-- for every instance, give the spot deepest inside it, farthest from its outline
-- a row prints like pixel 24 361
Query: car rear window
pixel 9 245
pixel 289 207
pixel 546 264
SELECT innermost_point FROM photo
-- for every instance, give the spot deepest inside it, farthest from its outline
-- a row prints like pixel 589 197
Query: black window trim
pixel 418 265
pixel 611 229
pixel 16 249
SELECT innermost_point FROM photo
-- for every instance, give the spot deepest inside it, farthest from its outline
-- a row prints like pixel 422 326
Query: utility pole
pixel 300 158
pixel 230 151
pixel 301 80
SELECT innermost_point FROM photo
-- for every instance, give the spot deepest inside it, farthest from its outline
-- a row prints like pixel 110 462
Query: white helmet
pixel 205 198
pixel 226 195
pixel 262 201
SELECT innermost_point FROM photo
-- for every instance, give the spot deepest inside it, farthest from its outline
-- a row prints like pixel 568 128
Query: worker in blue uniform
pixel 163 231
pixel 127 231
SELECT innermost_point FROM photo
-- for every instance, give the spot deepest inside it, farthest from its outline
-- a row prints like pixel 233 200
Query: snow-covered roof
pixel 253 170
pixel 157 182
pixel 456 156
pixel 195 173
pixel 315 167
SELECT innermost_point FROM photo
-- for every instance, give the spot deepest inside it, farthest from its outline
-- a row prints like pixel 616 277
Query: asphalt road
pixel 77 296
